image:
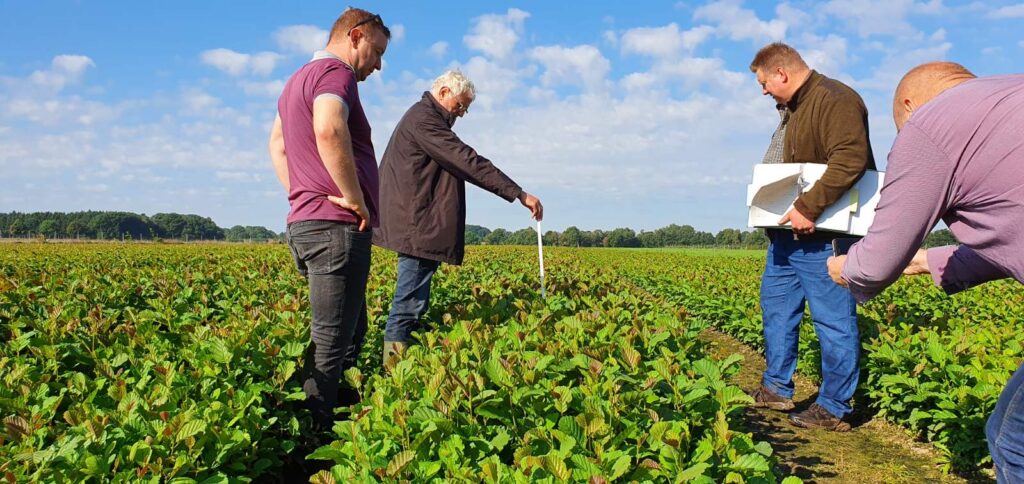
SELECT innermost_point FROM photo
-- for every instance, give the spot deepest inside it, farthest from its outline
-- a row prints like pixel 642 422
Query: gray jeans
pixel 334 258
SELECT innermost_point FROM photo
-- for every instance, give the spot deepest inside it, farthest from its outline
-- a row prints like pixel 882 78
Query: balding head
pixel 922 84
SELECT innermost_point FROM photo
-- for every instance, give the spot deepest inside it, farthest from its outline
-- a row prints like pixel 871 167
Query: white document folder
pixel 775 187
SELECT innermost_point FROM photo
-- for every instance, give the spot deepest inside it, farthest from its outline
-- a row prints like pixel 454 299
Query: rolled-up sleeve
pixel 957 267
pixel 913 198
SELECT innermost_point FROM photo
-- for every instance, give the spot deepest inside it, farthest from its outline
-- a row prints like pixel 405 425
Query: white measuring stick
pixel 540 255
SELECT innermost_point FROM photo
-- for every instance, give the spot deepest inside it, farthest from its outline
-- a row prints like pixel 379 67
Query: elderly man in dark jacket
pixel 423 177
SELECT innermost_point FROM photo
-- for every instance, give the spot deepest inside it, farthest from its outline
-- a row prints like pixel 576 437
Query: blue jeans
pixel 1005 431
pixel 335 259
pixel 796 272
pixel 412 297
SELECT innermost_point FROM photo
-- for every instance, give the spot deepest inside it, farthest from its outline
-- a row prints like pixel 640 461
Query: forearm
pixel 957 267
pixel 912 200
pixel 280 161
pixel 278 157
pixel 335 148
pixel 832 187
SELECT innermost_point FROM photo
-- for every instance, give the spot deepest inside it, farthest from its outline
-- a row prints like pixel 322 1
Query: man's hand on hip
pixel 357 207
pixel 801 225
pixel 533 203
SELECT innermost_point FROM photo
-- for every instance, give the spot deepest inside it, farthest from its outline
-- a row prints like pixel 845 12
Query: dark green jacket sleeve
pixel 844 136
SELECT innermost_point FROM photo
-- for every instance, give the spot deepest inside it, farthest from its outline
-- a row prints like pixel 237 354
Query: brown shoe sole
pixel 778 406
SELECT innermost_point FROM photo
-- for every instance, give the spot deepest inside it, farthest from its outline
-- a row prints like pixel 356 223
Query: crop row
pixel 932 363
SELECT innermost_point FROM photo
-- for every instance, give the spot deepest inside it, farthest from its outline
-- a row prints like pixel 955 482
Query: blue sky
pixel 636 114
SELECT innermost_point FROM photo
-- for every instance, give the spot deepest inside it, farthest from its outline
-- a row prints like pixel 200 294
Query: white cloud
pixel 897 62
pixel 64 70
pixel 828 55
pixel 496 35
pixel 397 32
pixel 229 61
pixel 663 41
pixel 582 64
pixel 1009 11
pixel 438 49
pixel 237 63
pixel 739 23
pixel 239 176
pixel 494 82
pixel 610 37
pixel 269 88
pixel 70 110
pixel 881 17
pixel 263 63
pixel 795 16
pixel 301 39
pixel 99 187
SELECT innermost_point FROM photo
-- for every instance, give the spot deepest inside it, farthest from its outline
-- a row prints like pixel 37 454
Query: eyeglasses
pixel 462 108
pixel 376 19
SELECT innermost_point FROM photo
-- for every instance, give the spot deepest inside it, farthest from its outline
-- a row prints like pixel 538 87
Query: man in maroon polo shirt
pixel 321 150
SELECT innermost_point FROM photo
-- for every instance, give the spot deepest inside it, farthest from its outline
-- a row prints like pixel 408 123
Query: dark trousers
pixel 1005 431
pixel 335 259
pixel 796 274
pixel 412 297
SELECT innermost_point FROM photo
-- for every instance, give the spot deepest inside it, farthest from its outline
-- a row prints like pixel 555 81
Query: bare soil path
pixel 874 451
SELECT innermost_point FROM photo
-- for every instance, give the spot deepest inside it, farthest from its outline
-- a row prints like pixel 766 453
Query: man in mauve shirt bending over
pixel 323 155
pixel 959 157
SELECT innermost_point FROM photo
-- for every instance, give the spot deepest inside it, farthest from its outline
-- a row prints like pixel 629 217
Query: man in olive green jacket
pixel 822 121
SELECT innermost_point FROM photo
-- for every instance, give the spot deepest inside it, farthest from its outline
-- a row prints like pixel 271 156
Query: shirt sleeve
pixel 844 134
pixel 957 267
pixel 914 195
pixel 337 81
pixel 459 159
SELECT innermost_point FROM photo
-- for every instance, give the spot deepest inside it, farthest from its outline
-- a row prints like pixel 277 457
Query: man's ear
pixel 908 106
pixel 356 35
pixel 782 74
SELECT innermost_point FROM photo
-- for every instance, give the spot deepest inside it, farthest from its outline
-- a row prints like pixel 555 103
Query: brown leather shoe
pixel 765 398
pixel 816 417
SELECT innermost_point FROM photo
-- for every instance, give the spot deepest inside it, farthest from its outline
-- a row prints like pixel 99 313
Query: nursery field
pixel 181 363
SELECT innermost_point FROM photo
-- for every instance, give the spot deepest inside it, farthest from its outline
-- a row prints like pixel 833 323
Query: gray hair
pixel 455 82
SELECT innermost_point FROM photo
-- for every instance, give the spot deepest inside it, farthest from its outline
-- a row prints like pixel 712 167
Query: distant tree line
pixel 670 236
pixel 104 225
pixel 117 225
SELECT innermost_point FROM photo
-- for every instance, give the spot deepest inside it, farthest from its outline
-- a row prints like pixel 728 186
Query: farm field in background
pixel 182 363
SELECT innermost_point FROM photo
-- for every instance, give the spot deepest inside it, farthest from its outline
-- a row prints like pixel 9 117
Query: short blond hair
pixel 455 82
pixel 777 54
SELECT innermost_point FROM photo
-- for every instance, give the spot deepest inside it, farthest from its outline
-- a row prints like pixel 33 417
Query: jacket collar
pixel 447 116
pixel 812 80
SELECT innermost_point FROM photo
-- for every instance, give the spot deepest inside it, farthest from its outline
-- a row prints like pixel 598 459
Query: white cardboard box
pixel 775 187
